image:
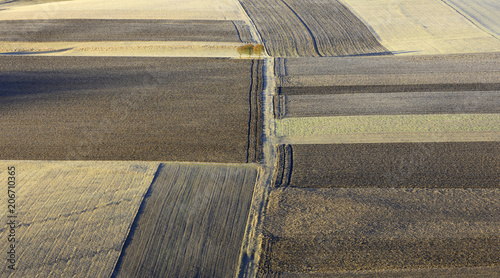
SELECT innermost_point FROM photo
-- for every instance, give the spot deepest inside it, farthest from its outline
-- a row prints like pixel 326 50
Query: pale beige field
pixel 73 217
pixel 417 27
pixel 127 9
pixel 390 128
pixel 483 13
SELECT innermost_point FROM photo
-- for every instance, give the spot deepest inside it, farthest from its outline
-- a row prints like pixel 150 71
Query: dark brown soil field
pixel 406 165
pixel 191 223
pixel 390 73
pixel 309 28
pixel 338 230
pixel 105 108
pixel 123 30
pixel 391 104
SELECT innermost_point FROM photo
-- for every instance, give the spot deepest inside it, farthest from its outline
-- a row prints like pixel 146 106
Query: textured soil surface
pixel 419 165
pixel 191 223
pixel 340 230
pixel 123 30
pixel 104 108
pixel 308 28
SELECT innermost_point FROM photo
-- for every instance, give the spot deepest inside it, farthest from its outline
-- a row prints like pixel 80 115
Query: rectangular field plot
pixel 350 232
pixel 123 30
pixel 432 73
pixel 390 103
pixel 294 28
pixel 191 223
pixel 119 108
pixel 72 217
pixel 407 165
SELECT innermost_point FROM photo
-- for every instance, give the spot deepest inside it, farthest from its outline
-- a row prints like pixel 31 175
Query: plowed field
pixel 294 28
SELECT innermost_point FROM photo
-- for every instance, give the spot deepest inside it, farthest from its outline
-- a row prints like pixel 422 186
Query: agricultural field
pixel 483 13
pixel 154 111
pixel 381 232
pixel 81 30
pixel 379 161
pixel 191 223
pixel 122 9
pixel 363 142
pixel 412 165
pixel 294 28
pixel 423 27
pixel 72 217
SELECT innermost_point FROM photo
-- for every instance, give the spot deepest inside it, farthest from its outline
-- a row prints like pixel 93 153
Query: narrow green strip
pixel 313 126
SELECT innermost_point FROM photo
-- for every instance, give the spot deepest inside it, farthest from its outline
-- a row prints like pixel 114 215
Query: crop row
pixel 310 28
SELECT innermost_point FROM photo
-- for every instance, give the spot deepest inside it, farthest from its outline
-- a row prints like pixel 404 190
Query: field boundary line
pixel 253 29
pixel 470 19
pixel 252 240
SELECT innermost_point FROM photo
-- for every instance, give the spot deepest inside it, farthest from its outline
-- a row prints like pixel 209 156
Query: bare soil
pixel 114 108
pixel 123 30
pixel 409 165
pixel 314 231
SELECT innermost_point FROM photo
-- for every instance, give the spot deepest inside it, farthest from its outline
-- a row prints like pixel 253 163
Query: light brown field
pixel 73 217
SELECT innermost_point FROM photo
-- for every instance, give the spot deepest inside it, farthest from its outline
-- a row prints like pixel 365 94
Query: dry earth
pixel 336 232
pixel 423 27
pixel 390 104
pixel 429 73
pixel 421 165
pixel 294 28
pixel 72 217
pixel 81 30
pixel 191 223
pixel 104 108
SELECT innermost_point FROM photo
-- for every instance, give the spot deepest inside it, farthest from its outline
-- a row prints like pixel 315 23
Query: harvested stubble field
pixel 483 13
pixel 374 232
pixel 191 223
pixel 122 9
pixel 424 27
pixel 123 30
pixel 413 165
pixel 294 28
pixel 73 217
pixel 115 108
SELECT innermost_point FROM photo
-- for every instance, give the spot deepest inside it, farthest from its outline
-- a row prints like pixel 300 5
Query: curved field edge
pixel 73 217
pixel 308 28
pixel 192 222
